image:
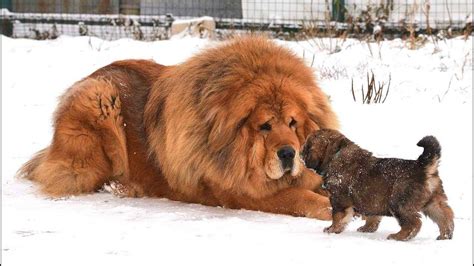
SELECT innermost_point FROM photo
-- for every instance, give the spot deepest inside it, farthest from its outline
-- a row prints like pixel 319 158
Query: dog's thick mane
pixel 217 80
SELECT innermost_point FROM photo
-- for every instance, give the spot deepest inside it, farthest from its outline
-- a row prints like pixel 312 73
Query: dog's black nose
pixel 286 152
pixel 286 155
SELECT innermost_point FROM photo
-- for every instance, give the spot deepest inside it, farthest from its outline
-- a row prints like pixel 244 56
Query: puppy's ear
pixel 333 147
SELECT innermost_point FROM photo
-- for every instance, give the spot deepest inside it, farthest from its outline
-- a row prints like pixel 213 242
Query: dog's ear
pixel 333 148
pixel 308 128
pixel 222 133
pixel 224 126
pixel 224 129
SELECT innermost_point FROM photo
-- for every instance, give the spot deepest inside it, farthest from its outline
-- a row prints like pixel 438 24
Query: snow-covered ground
pixel 430 93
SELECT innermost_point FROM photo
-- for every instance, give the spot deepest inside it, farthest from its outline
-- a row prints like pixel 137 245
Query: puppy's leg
pixel 340 218
pixel 410 222
pixel 439 211
pixel 371 224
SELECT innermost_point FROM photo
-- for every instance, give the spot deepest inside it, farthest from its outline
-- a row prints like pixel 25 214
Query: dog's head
pixel 242 113
pixel 321 147
pixel 279 126
pixel 260 109
pixel 268 125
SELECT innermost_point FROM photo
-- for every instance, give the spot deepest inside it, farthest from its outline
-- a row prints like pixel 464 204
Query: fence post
pixel 129 7
pixel 6 4
pixel 338 10
pixel 6 26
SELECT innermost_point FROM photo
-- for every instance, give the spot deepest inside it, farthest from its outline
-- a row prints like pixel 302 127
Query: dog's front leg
pixel 340 218
pixel 297 202
pixel 312 181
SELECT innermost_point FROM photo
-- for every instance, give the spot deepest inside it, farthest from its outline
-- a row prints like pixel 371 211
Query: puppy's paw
pixel 445 237
pixel 399 237
pixel 333 229
pixel 367 229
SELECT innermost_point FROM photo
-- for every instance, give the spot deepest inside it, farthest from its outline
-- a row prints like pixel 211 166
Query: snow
pixel 194 20
pixel 431 93
pixel 4 12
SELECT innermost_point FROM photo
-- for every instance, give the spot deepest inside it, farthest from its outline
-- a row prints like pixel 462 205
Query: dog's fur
pixel 375 187
pixel 205 131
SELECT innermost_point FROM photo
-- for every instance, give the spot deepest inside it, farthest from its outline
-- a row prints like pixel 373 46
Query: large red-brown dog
pixel 223 128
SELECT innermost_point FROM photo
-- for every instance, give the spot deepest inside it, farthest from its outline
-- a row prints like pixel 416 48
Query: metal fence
pixel 152 19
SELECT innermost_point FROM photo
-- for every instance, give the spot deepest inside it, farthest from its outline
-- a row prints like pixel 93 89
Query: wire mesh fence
pixel 154 19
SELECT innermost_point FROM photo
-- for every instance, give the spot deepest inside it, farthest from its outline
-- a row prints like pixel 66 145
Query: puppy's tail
pixel 429 159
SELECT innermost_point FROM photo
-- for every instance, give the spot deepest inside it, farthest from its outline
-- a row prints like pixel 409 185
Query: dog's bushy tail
pixel 27 169
pixel 429 159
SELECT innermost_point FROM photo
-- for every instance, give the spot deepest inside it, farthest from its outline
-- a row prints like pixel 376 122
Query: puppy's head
pixel 320 148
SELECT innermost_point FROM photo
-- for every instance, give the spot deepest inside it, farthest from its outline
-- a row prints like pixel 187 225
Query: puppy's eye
pixel 292 123
pixel 265 127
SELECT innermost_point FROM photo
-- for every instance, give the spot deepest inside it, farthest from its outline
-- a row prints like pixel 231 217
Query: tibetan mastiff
pixel 224 128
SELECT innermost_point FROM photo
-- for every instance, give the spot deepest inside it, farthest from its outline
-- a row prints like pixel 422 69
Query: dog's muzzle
pixel 286 154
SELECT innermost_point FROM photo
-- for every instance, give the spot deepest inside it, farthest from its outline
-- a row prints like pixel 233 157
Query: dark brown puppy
pixel 378 187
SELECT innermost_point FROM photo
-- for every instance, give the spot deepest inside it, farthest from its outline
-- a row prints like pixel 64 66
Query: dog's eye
pixel 292 123
pixel 265 127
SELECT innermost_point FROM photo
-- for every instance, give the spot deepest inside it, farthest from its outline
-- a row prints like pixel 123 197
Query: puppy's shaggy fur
pixel 378 187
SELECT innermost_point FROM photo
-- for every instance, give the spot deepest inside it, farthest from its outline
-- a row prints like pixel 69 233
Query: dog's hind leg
pixel 439 211
pixel 112 133
pixel 88 147
pixel 410 222
pixel 68 177
pixel 371 224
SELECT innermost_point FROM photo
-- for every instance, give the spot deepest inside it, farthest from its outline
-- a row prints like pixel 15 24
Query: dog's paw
pixel 324 213
pixel 367 229
pixel 399 237
pixel 333 229
pixel 394 237
pixel 116 188
pixel 445 237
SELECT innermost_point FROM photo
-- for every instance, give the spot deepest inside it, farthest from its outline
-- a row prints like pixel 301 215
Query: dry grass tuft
pixel 374 93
